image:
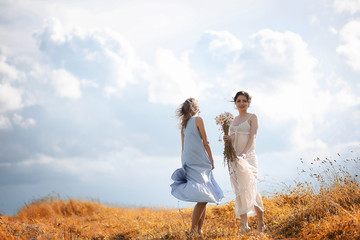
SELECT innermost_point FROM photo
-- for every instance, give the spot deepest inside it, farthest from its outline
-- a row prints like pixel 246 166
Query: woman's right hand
pixel 227 138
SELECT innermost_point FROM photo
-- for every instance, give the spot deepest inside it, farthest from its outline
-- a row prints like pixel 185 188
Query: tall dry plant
pixel 328 198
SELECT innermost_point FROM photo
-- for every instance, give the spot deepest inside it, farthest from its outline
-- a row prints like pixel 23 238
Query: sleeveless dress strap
pixel 249 117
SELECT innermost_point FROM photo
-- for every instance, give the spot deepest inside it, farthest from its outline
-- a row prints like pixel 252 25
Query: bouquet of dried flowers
pixel 224 120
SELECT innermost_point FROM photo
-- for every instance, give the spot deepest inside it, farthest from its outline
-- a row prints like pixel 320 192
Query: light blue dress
pixel 194 182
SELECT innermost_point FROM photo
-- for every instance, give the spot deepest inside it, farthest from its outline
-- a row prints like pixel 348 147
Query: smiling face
pixel 242 104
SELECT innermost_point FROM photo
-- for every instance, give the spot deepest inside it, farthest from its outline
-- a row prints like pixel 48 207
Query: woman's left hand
pixel 227 138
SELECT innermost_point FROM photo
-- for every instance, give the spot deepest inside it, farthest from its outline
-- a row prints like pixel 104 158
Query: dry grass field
pixel 327 207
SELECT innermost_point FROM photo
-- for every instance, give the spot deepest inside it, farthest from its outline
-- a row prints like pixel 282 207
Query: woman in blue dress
pixel 194 182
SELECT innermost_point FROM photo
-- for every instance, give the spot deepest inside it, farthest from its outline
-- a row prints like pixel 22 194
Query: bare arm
pixel 201 126
pixel 182 140
pixel 254 125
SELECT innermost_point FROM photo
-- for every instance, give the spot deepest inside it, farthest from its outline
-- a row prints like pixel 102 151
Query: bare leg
pixel 260 219
pixel 244 223
pixel 197 213
pixel 201 221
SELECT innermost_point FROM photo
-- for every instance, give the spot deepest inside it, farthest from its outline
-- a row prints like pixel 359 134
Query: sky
pixel 89 91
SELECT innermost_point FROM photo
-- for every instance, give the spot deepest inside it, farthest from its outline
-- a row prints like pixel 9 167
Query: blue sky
pixel 89 90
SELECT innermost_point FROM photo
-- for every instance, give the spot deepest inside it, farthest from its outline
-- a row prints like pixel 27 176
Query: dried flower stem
pixel 229 151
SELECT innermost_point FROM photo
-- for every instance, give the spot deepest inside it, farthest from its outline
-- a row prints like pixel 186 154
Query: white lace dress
pixel 243 172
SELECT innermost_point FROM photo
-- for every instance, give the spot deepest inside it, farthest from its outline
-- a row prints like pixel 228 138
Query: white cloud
pixel 24 123
pixel 298 95
pixel 8 71
pixel 19 74
pixel 124 61
pixel 5 123
pixel 53 29
pixel 88 83
pixel 223 44
pixel 350 49
pixel 172 79
pixel 333 30
pixel 109 90
pixel 103 56
pixel 352 6
pixel 65 84
pixel 287 50
pixel 10 98
pixel 282 74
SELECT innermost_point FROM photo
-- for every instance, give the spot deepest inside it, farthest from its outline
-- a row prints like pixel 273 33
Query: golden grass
pixel 327 208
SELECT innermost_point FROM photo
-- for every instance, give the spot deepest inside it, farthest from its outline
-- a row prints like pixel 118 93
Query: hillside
pixel 326 208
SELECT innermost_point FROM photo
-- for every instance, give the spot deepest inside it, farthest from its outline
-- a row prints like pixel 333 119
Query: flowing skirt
pixel 243 177
pixel 193 186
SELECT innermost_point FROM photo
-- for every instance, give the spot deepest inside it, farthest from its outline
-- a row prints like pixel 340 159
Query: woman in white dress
pixel 243 171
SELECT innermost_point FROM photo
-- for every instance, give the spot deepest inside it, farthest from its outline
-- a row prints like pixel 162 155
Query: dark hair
pixel 186 110
pixel 243 93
